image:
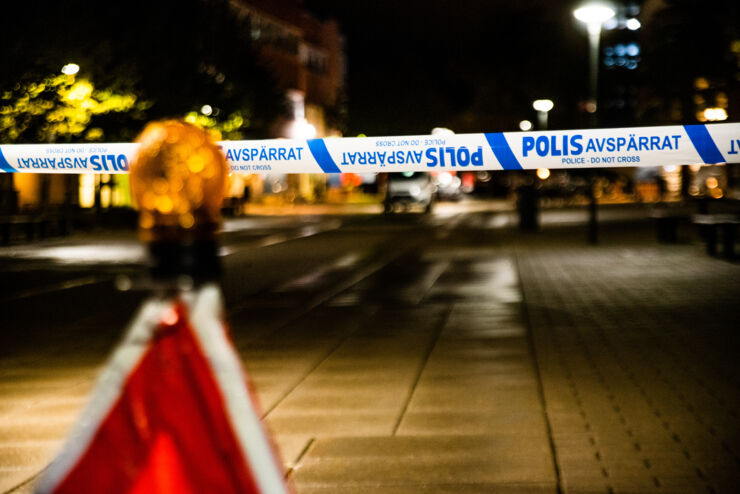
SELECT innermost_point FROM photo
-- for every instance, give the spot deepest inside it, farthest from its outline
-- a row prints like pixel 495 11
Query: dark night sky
pixel 471 65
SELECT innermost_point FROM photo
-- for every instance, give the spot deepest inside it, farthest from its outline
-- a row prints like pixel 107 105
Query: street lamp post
pixel 543 106
pixel 70 69
pixel 70 182
pixel 593 15
pixel 527 200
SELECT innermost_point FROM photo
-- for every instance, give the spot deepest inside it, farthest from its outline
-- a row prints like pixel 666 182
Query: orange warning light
pixel 178 178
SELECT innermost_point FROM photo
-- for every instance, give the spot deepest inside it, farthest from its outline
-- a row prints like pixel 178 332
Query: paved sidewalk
pixel 507 363
pixel 637 347
pixel 431 391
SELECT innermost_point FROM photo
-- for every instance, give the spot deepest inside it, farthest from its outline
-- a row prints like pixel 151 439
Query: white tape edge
pixel 105 395
pixel 691 144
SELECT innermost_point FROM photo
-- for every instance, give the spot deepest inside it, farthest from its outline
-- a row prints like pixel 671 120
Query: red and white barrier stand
pixel 172 411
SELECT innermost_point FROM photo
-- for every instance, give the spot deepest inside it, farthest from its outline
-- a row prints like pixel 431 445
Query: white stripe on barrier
pixel 106 393
pixel 208 327
pixel 593 148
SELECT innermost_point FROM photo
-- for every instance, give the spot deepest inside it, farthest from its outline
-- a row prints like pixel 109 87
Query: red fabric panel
pixel 168 432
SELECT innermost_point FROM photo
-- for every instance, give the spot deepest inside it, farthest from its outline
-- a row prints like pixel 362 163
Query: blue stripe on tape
pixel 502 151
pixel 4 165
pixel 322 156
pixel 704 144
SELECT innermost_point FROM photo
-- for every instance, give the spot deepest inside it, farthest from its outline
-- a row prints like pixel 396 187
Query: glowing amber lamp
pixel 178 178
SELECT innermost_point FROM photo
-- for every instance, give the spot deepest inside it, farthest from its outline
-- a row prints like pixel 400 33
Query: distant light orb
pixel 525 125
pixel 715 114
pixel 633 24
pixel 633 49
pixel 436 131
pixel 483 177
pixel 543 105
pixel 717 193
pixel 444 179
pixel 70 69
pixel 594 13
pixel 701 83
pixel 206 110
pixel 610 24
pixel 543 173
pixel 301 129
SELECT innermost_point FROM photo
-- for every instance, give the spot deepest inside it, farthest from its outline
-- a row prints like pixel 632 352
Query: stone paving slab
pixel 472 420
pixel 452 488
pixel 632 344
pixel 416 461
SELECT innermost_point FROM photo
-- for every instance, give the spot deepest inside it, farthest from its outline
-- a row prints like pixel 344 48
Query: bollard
pixel 528 207
pixel 172 411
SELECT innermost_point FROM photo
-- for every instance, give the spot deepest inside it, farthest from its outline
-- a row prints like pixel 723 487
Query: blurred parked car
pixel 409 190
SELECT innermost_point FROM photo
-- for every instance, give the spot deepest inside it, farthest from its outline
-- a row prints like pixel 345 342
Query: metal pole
pixel 542 120
pixel 594 35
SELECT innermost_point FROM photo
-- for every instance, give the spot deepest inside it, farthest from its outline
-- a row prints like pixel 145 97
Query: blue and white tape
pixel 594 148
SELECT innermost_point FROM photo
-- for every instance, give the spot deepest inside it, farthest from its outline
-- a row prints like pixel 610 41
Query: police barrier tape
pixel 593 148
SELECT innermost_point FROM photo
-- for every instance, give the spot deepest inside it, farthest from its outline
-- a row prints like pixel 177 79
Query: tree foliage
pixel 171 56
pixel 60 108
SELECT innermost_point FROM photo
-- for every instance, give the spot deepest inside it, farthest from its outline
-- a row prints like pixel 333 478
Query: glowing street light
pixel 525 125
pixel 714 115
pixel 593 15
pixel 301 129
pixel 633 24
pixel 442 131
pixel 70 69
pixel 543 106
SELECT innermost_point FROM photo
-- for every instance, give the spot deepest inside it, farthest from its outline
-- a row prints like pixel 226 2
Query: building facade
pixel 304 55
